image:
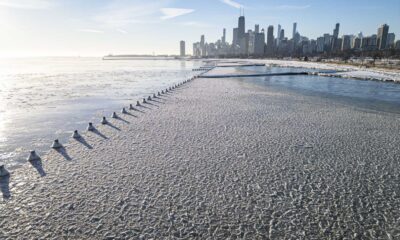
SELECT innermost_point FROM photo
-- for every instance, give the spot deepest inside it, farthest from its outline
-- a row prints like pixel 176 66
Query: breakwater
pixel 254 75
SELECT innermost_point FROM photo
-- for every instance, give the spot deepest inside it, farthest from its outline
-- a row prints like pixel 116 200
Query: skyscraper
pixel 294 30
pixel 390 40
pixel 346 42
pixel 203 46
pixel 235 40
pixel 327 42
pixel 270 39
pixel 320 44
pixel 282 35
pixel 241 27
pixel 278 39
pixel 182 47
pixel 223 36
pixel 242 37
pixel 196 49
pixel 252 39
pixel 257 28
pixel 382 36
pixel 356 44
pixel 259 43
pixel 336 31
pixel 334 44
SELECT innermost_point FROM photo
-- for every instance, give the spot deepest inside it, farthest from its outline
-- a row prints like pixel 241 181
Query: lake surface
pixel 42 99
pixel 370 95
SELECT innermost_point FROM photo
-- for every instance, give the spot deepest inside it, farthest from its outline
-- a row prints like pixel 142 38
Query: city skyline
pixel 251 42
pixel 73 28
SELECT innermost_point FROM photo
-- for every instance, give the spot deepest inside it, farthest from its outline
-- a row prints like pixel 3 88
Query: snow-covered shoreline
pixel 344 71
pixel 338 70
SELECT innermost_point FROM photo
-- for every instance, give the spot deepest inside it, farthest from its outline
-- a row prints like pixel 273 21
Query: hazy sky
pixel 99 27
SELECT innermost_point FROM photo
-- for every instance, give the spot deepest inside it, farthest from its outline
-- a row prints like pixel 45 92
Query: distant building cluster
pixel 258 43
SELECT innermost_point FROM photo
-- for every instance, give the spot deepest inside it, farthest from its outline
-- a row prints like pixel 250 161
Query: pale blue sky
pixel 99 27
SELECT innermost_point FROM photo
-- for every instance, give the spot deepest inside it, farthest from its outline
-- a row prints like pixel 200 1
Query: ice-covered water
pixel 374 95
pixel 47 98
pixel 43 99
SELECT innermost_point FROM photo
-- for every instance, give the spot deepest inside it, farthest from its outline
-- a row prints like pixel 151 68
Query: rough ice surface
pixel 216 159
pixel 42 99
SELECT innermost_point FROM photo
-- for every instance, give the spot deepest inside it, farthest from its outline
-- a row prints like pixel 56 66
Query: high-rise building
pixel 241 27
pixel 346 42
pixel 294 30
pixel 235 40
pixel 182 48
pixel 252 39
pixel 390 40
pixel 257 28
pixel 369 43
pixel 296 39
pixel 270 39
pixel 242 36
pixel 382 36
pixel 336 30
pixel 223 36
pixel 282 35
pixel 203 46
pixel 397 45
pixel 374 40
pixel 259 43
pixel 320 44
pixel 196 49
pixel 334 44
pixel 278 39
pixel 244 44
pixel 327 41
pixel 356 44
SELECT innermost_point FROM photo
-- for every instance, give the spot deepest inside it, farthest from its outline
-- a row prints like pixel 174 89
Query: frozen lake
pixel 42 99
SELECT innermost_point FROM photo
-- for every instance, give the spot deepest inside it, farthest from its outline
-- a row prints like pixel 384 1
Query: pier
pixel 254 75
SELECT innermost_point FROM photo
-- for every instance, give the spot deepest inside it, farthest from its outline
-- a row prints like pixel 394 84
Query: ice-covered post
pixel 114 115
pixel 3 171
pixel 33 156
pixel 56 144
pixel 76 135
pixel 131 107
pixel 137 103
pixel 90 127
pixel 124 111
pixel 104 120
